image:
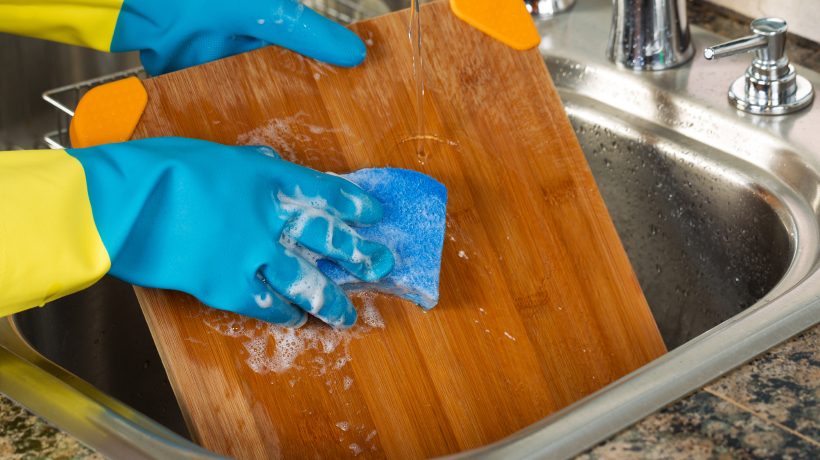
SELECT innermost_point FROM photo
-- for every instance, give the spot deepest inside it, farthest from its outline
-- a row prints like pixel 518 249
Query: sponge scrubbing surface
pixel 413 227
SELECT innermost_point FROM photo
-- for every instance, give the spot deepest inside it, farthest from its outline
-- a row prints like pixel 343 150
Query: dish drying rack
pixel 65 98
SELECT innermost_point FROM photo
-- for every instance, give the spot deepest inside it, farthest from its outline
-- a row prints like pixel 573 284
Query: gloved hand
pixel 175 34
pixel 215 221
pixel 172 35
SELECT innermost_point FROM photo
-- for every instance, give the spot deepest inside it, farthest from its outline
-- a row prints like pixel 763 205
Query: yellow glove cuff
pixel 88 23
pixel 49 245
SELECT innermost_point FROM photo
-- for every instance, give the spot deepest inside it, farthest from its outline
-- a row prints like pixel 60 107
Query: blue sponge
pixel 413 226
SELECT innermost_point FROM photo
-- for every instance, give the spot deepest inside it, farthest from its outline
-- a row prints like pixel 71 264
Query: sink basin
pixel 718 212
pixel 704 245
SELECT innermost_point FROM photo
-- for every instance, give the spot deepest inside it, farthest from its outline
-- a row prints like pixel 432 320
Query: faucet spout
pixel 649 34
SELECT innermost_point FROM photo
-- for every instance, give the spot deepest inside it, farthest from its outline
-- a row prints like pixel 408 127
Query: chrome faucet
pixel 649 34
pixel 543 9
pixel 770 85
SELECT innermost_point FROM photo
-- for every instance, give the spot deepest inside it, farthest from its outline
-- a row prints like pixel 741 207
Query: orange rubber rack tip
pixel 108 113
pixel 508 21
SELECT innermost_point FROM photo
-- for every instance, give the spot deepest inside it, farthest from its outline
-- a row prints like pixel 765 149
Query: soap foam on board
pixel 294 136
pixel 413 228
pixel 278 349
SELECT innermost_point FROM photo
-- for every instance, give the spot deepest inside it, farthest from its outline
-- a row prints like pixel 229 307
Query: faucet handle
pixel 770 85
pixel 768 40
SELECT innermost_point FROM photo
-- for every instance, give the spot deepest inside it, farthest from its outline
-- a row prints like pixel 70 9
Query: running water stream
pixel 414 32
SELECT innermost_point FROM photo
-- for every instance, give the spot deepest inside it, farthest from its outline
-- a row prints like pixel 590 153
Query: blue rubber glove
pixel 219 222
pixel 175 34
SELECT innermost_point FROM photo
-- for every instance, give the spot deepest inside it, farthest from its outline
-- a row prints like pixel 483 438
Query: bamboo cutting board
pixel 539 305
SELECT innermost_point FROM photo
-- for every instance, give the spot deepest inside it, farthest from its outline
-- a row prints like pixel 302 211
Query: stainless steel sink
pixel 705 245
pixel 718 212
pixel 101 336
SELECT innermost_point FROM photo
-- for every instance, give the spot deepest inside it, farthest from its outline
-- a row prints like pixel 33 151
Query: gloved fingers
pixel 304 285
pixel 332 238
pixel 262 303
pixel 289 24
pixel 195 50
pixel 333 194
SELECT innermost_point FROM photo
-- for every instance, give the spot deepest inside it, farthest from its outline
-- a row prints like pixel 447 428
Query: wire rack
pixel 65 99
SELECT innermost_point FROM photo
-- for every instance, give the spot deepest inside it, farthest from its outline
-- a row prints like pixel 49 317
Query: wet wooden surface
pixel 539 305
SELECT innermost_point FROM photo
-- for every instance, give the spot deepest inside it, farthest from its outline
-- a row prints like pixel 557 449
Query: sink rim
pixel 81 410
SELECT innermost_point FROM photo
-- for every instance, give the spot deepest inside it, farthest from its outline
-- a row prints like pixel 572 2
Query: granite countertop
pixel 730 24
pixel 767 408
pixel 25 436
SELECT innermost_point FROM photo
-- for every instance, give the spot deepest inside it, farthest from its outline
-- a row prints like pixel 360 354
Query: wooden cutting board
pixel 539 305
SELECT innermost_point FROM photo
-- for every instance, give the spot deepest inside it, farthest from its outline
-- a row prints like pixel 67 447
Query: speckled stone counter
pixel 767 408
pixel 25 436
pixel 732 25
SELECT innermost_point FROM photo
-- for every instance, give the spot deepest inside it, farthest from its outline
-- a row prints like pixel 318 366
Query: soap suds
pixel 315 347
pixel 309 286
pixel 264 300
pixel 308 211
pixel 355 448
pixel 344 426
pixel 369 314
pixel 463 254
pixel 509 336
pixel 295 137
pixel 295 248
pixel 341 362
pixel 296 18
pixel 300 65
pixel 358 204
